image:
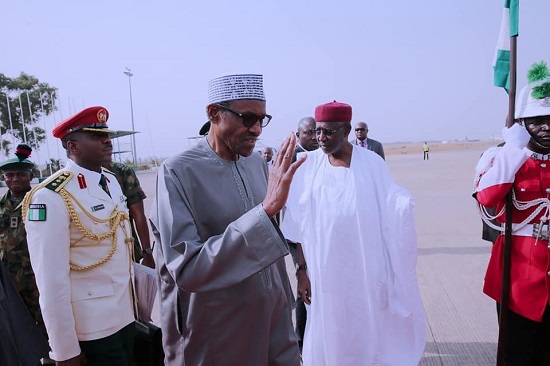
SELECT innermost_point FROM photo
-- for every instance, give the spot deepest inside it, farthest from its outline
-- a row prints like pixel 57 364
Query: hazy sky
pixel 413 70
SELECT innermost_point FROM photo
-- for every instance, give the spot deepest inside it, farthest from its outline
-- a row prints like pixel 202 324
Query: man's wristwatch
pixel 148 250
pixel 300 267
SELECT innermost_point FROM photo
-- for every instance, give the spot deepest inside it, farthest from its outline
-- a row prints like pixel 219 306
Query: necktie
pixel 362 143
pixel 103 184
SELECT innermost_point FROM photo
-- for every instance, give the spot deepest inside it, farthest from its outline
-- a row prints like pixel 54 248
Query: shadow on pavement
pixel 459 354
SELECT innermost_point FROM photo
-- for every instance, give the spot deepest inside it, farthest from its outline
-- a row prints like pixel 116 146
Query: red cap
pixel 333 112
pixel 90 119
pixel 23 151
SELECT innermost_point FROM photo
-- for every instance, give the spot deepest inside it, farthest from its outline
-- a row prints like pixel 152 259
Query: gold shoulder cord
pixel 116 219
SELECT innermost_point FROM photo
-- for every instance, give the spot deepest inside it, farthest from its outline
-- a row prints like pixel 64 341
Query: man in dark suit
pixel 307 141
pixel 361 132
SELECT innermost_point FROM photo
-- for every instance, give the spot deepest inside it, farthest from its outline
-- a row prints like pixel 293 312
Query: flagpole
pixel 11 123
pixel 48 160
pixel 22 120
pixel 507 250
pixel 34 134
pixel 55 123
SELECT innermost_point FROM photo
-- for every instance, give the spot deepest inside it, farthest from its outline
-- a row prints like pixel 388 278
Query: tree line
pixel 24 100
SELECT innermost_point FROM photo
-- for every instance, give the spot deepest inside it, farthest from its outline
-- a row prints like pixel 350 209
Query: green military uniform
pixel 14 252
pixel 132 190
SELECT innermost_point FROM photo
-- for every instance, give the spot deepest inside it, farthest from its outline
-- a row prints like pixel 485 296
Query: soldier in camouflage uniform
pixel 134 200
pixel 14 253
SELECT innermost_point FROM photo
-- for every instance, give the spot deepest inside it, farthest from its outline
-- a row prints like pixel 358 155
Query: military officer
pixel 14 253
pixel 80 248
pixel 520 166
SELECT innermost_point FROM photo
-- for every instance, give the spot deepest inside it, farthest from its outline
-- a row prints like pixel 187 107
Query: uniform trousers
pixel 527 342
pixel 114 350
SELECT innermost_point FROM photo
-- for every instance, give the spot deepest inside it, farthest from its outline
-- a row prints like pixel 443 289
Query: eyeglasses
pixel 360 129
pixel 11 175
pixel 249 119
pixel 327 131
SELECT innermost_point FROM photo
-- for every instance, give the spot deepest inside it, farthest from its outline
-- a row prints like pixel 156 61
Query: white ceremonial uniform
pixel 359 242
pixel 80 305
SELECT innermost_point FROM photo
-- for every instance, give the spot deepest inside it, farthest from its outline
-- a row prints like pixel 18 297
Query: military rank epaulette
pixel 58 181
pixel 55 183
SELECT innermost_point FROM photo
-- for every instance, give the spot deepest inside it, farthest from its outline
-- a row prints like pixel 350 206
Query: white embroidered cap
pixel 534 99
pixel 235 87
pixel 527 106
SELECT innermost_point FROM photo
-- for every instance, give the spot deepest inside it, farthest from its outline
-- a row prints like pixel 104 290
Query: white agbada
pixel 359 241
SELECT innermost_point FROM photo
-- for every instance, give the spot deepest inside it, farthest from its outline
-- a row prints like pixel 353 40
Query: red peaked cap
pixel 92 119
pixel 333 112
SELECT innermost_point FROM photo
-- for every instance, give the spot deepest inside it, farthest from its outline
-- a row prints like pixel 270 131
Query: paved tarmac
pixel 462 327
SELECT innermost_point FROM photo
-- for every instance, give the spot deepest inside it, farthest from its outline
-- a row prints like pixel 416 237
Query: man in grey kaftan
pixel 221 249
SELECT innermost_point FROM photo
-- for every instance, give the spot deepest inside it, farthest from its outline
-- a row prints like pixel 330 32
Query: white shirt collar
pixel 90 175
pixel 536 156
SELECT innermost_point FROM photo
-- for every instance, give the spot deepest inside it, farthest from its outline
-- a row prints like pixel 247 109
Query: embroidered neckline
pixel 537 156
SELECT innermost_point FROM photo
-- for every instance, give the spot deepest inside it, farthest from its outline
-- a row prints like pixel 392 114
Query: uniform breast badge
pixel 98 207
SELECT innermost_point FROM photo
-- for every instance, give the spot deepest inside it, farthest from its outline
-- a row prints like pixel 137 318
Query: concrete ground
pixel 462 326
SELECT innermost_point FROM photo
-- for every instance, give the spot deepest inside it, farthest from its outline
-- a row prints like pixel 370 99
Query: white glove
pixel 516 136
pixel 486 160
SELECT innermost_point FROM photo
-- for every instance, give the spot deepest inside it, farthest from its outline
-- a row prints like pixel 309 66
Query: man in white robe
pixel 358 249
pixel 225 293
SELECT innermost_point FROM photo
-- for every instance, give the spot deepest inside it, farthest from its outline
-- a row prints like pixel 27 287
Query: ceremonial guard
pixel 80 247
pixel 522 165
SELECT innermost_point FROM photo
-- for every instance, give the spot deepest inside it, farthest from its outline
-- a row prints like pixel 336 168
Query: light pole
pixel 128 73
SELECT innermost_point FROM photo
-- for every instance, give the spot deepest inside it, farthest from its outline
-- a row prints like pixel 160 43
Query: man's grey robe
pixel 226 257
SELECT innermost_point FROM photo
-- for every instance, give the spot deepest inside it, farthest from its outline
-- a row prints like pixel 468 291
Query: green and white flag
pixel 37 212
pixel 508 29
